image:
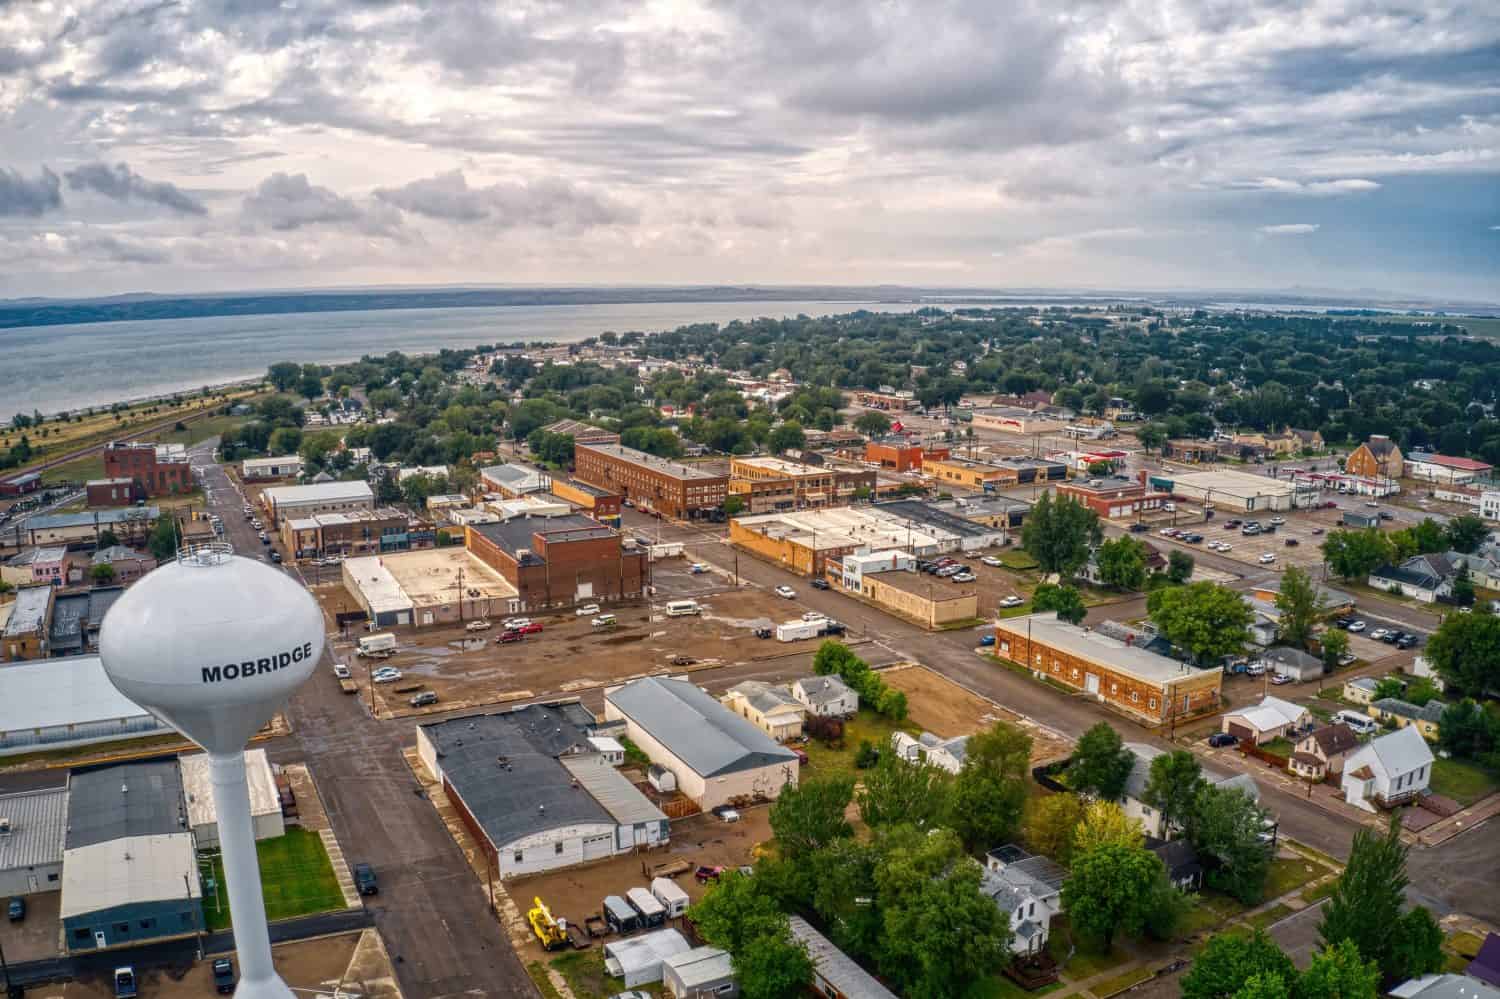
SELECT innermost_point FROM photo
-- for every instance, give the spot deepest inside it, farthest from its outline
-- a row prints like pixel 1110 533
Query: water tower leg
pixel 247 906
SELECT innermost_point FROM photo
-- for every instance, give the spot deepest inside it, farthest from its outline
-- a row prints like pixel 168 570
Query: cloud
pixel 550 203
pixel 1290 229
pixel 33 198
pixel 1318 188
pixel 285 202
pixel 121 183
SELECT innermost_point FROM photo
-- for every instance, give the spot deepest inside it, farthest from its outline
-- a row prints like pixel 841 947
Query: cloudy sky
pixel 183 145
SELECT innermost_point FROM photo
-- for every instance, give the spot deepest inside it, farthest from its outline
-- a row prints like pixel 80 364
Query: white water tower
pixel 213 644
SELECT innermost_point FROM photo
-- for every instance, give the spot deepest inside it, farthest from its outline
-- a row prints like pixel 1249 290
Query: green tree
pixel 163 540
pixel 1468 731
pixel 1416 947
pixel 1301 607
pixel 1463 587
pixel 1059 597
pixel 387 490
pixel 772 966
pixel 1167 908
pixel 1172 788
pixel 787 437
pixel 896 791
pixel 1232 959
pixel 283 375
pixel 1389 686
pixel 733 506
pixel 107 539
pixel 1340 973
pixel 102 574
pixel 1179 567
pixel 872 423
pixel 1108 890
pixel 555 450
pixel 1335 643
pixel 1428 536
pixel 1356 554
pixel 1465 652
pixel 1122 563
pixel 990 791
pixel 1208 620
pixel 285 440
pixel 1151 436
pixel 1105 822
pixel 845 896
pixel 1058 533
pixel 736 911
pixel 1050 824
pixel 1266 985
pixel 1101 764
pixel 310 386
pixel 1465 532
pixel 1367 901
pixel 1228 826
pixel 810 816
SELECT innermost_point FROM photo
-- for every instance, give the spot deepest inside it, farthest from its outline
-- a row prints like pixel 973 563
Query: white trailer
pixel 380 645
pixel 670 894
pixel 796 631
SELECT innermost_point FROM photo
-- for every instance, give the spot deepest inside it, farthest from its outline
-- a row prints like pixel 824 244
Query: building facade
pixel 110 492
pixel 601 504
pixel 560 561
pixel 286 466
pixel 895 453
pixel 654 484
pixel 286 502
pixel 156 469
pixel 1378 457
pixel 1114 497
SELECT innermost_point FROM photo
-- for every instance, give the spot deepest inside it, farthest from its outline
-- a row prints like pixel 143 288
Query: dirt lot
pixel 358 961
pixel 468 670
pixel 945 709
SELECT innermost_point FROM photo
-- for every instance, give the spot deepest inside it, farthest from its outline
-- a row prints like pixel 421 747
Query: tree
pixel 772 966
pixel 1266 985
pixel 1179 567
pixel 833 657
pixel 1416 946
pixel 787 437
pixel 1227 826
pixel 285 440
pixel 810 816
pixel 102 574
pixel 1172 788
pixel 555 450
pixel 1335 644
pixel 1108 889
pixel 897 791
pixel 283 375
pixel 1301 606
pixel 1167 906
pixel 163 540
pixel 1230 961
pixel 1051 823
pixel 1101 764
pixel 1356 554
pixel 310 386
pixel 1151 436
pixel 1208 620
pixel 1465 652
pixel 844 894
pixel 989 793
pixel 1468 731
pixel 1122 563
pixel 1389 686
pixel 734 506
pixel 1100 468
pixel 1059 597
pixel 1058 533
pixel 872 423
pixel 1466 531
pixel 736 911
pixel 387 489
pixel 1463 587
pixel 1340 973
pixel 1365 907
pixel 1105 822
pixel 107 539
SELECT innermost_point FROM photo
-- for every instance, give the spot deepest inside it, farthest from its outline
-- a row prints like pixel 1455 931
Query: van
pixel 670 895
pixel 619 915
pixel 683 608
pixel 1361 723
pixel 1169 506
pixel 650 909
pixel 380 645
pixel 603 621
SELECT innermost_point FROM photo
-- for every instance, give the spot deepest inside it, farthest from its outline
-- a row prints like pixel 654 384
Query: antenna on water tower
pixel 212 644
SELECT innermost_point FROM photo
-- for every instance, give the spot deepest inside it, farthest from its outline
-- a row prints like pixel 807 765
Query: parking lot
pixel 1306 528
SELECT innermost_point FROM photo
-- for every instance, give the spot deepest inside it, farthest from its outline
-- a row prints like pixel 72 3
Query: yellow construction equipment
pixel 548 930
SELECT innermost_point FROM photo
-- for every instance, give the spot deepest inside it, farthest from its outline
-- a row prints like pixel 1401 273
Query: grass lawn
pixel 1280 745
pixel 1211 910
pixel 295 877
pixel 824 761
pixel 201 430
pixel 1266 917
pixel 1461 780
pixel 1088 958
pixel 78 470
pixel 541 981
pixel 1119 983
pixel 1319 892
pixel 1018 560
pixel 1000 987
pixel 1289 874
pixel 584 972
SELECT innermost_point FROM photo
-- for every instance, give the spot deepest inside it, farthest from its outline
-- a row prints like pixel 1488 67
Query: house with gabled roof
pixel 1388 771
pixel 1428 578
pixel 770 707
pixel 1323 751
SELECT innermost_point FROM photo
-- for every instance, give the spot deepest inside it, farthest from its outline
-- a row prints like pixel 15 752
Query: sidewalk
pixel 1445 829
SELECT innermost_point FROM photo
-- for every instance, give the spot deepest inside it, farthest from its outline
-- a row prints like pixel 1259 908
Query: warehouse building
pixel 1240 492
pixel 997 473
pixel 1144 685
pixel 130 872
pixel 287 466
pixel 197 790
pixel 971 535
pixel 32 826
pixel 425 588
pixel 356 532
pixel 654 484
pixel 529 802
pixel 716 755
pixel 288 502
pixel 130 525
pixel 63 703
pixel 804 541
pixel 560 561
pixel 889 579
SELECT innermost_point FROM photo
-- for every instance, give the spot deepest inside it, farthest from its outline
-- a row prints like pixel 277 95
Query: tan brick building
pixel 668 487
pixel 1376 458
pixel 560 561
pixel 1150 688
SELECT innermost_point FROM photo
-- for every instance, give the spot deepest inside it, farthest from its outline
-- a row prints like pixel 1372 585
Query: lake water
pixel 53 368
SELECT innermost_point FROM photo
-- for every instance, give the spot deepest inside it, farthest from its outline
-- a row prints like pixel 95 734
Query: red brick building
pixel 110 492
pixel 156 469
pixel 896 453
pixel 560 561
pixel 668 487
pixel 1113 497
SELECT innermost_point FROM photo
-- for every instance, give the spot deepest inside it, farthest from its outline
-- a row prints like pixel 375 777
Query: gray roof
pixel 1007 895
pixel 1426 571
pixel 931 516
pixel 103 518
pixel 512 535
pixel 1095 646
pixel 765 696
pixel 354 490
pixel 116 553
pixel 29 611
pixel 68 613
pixel 101 599
pixel 697 729
pixel 1289 656
pixel 835 967
pixel 514 474
pixel 1140 773
pixel 38 820
pixel 822 689
pixel 1364 683
pixel 1398 752
pixel 620 798
pixel 33 555
pixel 1432 711
pixel 551 728
pixel 125 799
pixel 666 466
pixel 1445 987
pixel 529 792
pixel 700 966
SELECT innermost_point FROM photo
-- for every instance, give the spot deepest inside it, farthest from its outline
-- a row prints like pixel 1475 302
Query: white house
pixel 946 753
pixel 1028 889
pixel 768 707
pixel 1388 771
pixel 1134 803
pixel 1268 720
pixel 1427 578
pixel 284 467
pixel 826 697
pixel 1489 504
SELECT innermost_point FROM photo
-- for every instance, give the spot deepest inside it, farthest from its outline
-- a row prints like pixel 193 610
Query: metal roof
pixel 197 788
pixel 645 951
pixel 1445 987
pixel 1097 647
pixel 513 535
pixel 620 798
pixel 102 518
pixel 47 693
pixel 835 967
pixel 700 966
pixel 1398 752
pixel 38 820
pixel 320 492
pixel 124 800
pixel 129 871
pixel 34 555
pixel 697 729
pixel 116 553
pixel 28 611
pixel 511 788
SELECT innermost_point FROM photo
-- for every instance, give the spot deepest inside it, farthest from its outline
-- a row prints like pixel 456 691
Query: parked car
pixel 1346 658
pixel 534 628
pixel 587 610
pixel 963 577
pixel 1392 637
pixel 341 671
pixel 1280 678
pixel 276 557
pixel 992 561
pixel 1406 641
pixel 423 699
pixel 332 561
pixel 987 639
pixel 763 633
pixel 1011 601
pixel 727 814
pixel 1343 621
pixel 1291 542
pixel 1266 558
pixel 511 623
pixel 511 635
pixel 603 621
pixel 1372 504
pixel 364 879
pixel 697 568
pixel 1139 528
pixel 223 975
pixel 1379 634
pixel 1386 515
pixel 819 583
pixel 948 571
pixel 1255 669
pixel 387 675
pixel 16 910
pixel 480 625
pixel 1316 531
pixel 1168 532
pixel 1356 626
pixel 1222 739
pixel 1192 539
pixel 786 592
pixel 707 872
pixel 1233 522
pixel 1278 521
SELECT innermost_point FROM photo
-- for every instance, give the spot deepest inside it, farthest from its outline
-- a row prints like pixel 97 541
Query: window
pixel 1114 688
pixel 1135 697
pixel 81 935
pixel 122 929
pixel 518 856
pixel 1153 703
pixel 52 878
pixel 148 924
pixel 557 848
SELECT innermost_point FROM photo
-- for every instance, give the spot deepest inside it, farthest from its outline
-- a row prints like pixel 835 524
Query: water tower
pixel 212 644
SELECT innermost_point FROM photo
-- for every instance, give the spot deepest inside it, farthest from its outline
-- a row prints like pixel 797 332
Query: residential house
pixel 1321 753
pixel 1267 720
pixel 1307 440
pixel 826 697
pixel 928 748
pixel 1295 663
pixel 1483 564
pixel 1425 718
pixel 768 707
pixel 1422 667
pixel 1180 860
pixel 1427 578
pixel 1445 986
pixel 1378 457
pixel 1134 801
pixel 1390 770
pixel 1361 689
pixel 1026 888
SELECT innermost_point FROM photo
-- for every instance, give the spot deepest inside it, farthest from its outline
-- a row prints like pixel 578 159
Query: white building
pixel 1267 720
pixel 1389 770
pixel 265 803
pixel 285 467
pixel 32 826
pixel 324 497
pixel 1443 468
pixel 949 754
pixel 431 471
pixel 700 972
pixel 714 754
pixel 1134 803
pixel 826 696
pixel 1489 504
pixel 1028 889
pixel 63 703
pixel 1240 491
pixel 638 960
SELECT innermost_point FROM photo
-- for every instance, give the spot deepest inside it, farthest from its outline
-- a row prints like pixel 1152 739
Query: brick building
pixel 896 453
pixel 1001 473
pixel 668 487
pixel 1113 497
pixel 769 484
pixel 1121 674
pixel 1378 457
pixel 601 504
pixel 110 492
pixel 358 532
pixel 156 469
pixel 560 561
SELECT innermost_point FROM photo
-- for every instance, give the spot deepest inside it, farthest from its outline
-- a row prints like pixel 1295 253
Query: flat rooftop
pixel 376 584
pixel 124 800
pixel 90 518
pixel 666 466
pixel 47 693
pixel 320 492
pixel 430 576
pixel 197 788
pixel 1097 647
pixel 1106 484
pixel 1232 483
pixel 28 611
pixel 781 466
pixel 512 535
pixel 926 513
pixel 842 527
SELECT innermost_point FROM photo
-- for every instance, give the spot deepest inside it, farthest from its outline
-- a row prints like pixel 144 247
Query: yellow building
pixel 1403 713
pixel 769 708
pixel 768 484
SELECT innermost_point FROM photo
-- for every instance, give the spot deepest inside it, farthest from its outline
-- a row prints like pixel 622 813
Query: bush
pixel 867 756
